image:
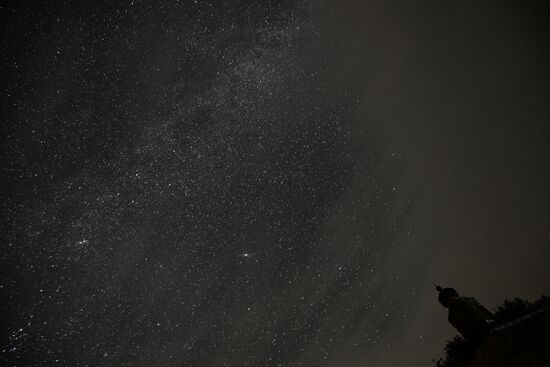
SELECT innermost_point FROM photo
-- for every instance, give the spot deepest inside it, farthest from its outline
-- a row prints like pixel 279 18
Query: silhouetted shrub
pixel 458 352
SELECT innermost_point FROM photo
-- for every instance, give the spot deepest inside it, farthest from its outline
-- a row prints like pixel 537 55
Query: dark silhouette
pixel 522 324
pixel 466 314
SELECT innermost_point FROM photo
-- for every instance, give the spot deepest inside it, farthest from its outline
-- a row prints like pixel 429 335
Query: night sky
pixel 266 183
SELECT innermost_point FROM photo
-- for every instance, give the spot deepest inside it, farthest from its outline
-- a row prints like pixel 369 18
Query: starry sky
pixel 266 183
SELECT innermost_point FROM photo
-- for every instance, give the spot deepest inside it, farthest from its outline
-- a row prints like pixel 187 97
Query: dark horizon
pixel 199 183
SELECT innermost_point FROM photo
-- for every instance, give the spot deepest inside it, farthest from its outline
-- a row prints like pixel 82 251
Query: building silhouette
pixel 523 342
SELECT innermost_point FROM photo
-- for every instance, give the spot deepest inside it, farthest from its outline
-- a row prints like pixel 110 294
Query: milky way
pixel 266 183
pixel 172 173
